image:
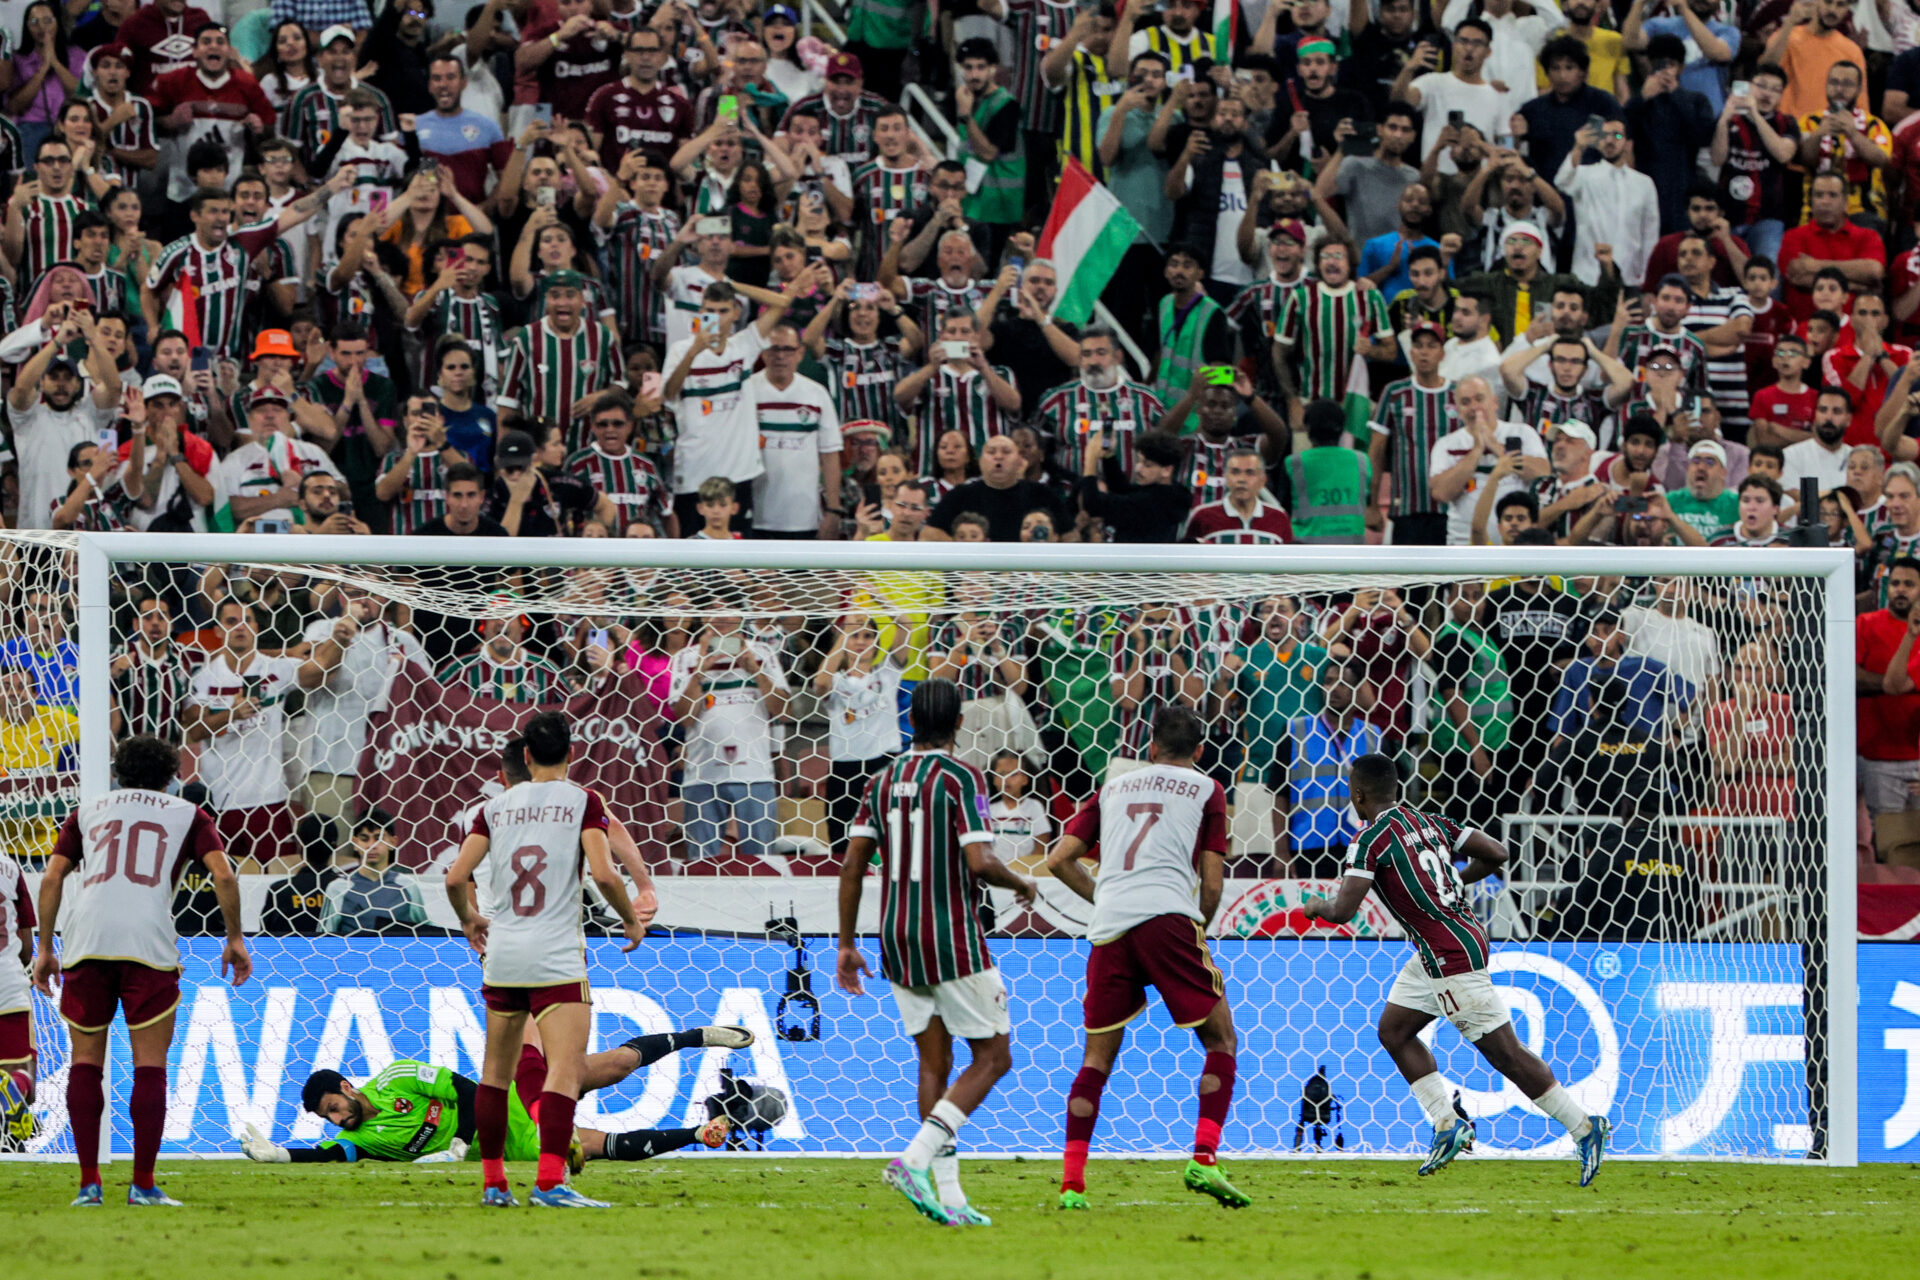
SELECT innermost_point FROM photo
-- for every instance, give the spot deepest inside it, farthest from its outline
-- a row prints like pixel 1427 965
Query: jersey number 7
pixel 1152 814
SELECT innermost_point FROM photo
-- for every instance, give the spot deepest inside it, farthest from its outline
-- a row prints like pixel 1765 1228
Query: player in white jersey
pixel 1161 836
pixel 119 949
pixel 18 1061
pixel 534 948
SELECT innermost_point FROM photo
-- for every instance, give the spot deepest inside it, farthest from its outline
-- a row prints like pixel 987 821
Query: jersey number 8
pixel 528 893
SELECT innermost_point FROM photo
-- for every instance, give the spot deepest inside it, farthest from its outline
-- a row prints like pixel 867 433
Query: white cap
pixel 160 384
pixel 338 31
pixel 1575 430
pixel 1526 229
pixel 1709 449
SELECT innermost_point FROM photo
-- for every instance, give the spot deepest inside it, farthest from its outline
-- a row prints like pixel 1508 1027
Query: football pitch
pixel 1344 1220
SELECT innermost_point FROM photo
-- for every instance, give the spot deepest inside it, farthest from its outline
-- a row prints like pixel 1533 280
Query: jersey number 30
pixel 108 836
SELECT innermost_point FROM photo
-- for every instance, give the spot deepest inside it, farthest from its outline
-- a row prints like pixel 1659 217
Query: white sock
pixel 946 1176
pixel 936 1131
pixel 1559 1104
pixel 1430 1091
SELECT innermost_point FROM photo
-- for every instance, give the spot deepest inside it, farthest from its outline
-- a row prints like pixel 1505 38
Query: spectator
pixel 322 507
pixel 1314 757
pixel 467 145
pixel 1754 142
pixel 1323 326
pixel 1828 239
pixel 1886 669
pixel 1019 819
pixel 798 492
pixel 1608 691
pixel 261 481
pixel 1706 505
pixel 1759 523
pixel 1706 219
pixel 1370 186
pixel 1567 396
pixel 1155 664
pixel 1864 367
pixel 38 749
pixel 1384 259
pixel 859 683
pixel 414 481
pixel 1750 738
pixel 160 36
pixel 1474 714
pixel 535 496
pixel 1533 623
pixel 464 515
pixel 294 904
pixel 237 709
pixel 1331 485
pixel 1000 493
pixel 625 478
pixel 41 213
pixel 1521 272
pixel 728 689
pixel 169 469
pixel 52 411
pixel 376 896
pixel 1407 424
pixel 1076 67
pixel 214 99
pixel 1243 516
pixel 94 500
pixel 150 676
pixel 1463 89
pixel 1823 455
pixel 1806 47
pixel 1850 141
pixel 1471 351
pixel 1233 417
pixel 1720 318
pixel 1384 43
pixel 1555 118
pixel 333 732
pixel 1710 44
pixel 1610 197
pixel 1465 457
pixel 1135 173
pixel 990 120
pixel 1149 507
pixel 1102 399
pixel 503 669
pixel 962 389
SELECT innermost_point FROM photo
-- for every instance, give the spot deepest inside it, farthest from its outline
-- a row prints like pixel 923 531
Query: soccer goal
pixel 1663 740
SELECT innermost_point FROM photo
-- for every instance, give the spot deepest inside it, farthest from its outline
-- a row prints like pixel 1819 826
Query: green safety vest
pixel 1484 690
pixel 1180 355
pixel 881 24
pixel 1002 196
pixel 1329 494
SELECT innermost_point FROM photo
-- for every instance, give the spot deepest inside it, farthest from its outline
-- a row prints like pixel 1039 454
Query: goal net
pixel 1663 740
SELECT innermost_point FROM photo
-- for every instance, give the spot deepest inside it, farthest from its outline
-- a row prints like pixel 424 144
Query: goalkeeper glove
pixel 255 1146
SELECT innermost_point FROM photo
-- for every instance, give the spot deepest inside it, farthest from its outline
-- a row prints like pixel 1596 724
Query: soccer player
pixel 929 812
pixel 533 949
pixel 1161 836
pixel 1408 855
pixel 120 949
pixel 17 1057
pixel 413 1110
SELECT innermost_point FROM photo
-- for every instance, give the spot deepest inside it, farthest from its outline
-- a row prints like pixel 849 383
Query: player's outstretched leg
pixel 611 1066
pixel 645 1144
pixel 1083 1113
pixel 1400 1028
pixel 1503 1050
pixel 1203 1173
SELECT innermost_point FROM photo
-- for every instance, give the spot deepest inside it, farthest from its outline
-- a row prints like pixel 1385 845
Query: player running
pixel 929 812
pixel 120 950
pixel 533 950
pixel 1161 836
pixel 413 1110
pixel 1408 855
pixel 18 1060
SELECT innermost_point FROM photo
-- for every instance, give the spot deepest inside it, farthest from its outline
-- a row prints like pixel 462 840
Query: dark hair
pixel 1773 451
pixel 934 712
pixel 1430 253
pixel 1325 421
pixel 1178 732
pixel 1761 260
pixel 452 345
pixel 1482 301
pixel 513 762
pixel 1159 448
pixel 1826 317
pixel 1667 48
pixel 975 519
pixel 1374 774
pixel 1773 69
pixel 347 331
pixel 1518 498
pixel 73 454
pixel 317 837
pixel 374 819
pixel 1833 391
pixel 1794 338
pixel 1396 108
pixel 59 37
pixel 1533 538
pixel 1191 252
pixel 547 738
pixel 1645 424
pixel 1565 49
pixel 1268 63
pixel 611 398
pixel 977 47
pixel 318 1086
pixel 1673 279
pixel 1903 562
pixel 146 763
pixel 268 63
pixel 1772 486
pixel 1166 63
pixel 464 471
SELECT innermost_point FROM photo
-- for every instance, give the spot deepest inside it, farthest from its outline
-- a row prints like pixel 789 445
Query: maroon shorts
pixel 16 1036
pixel 91 990
pixel 263 833
pixel 1168 953
pixel 535 1000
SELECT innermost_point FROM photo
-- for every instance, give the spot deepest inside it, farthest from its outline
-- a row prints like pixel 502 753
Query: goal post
pixel 1704 995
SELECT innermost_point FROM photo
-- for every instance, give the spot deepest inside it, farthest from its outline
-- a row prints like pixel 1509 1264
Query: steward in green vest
pixel 994 156
pixel 1331 483
pixel 1471 670
pixel 1193 330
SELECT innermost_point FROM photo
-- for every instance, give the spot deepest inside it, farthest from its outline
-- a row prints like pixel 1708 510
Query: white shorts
pixel 1884 784
pixel 1467 1000
pixel 973 1007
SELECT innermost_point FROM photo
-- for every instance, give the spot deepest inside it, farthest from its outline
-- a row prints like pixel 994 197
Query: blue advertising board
pixel 1692 1050
pixel 1889 1051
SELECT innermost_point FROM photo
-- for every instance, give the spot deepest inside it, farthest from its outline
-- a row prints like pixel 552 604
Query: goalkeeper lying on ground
pixel 413 1110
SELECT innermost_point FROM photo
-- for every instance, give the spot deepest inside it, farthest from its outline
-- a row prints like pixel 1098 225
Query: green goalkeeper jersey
pixel 420 1115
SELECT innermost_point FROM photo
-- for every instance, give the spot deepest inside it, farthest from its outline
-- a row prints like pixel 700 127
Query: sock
pixel 946 1176
pixel 653 1048
pixel 936 1131
pixel 556 1135
pixel 1213 1106
pixel 86 1099
pixel 530 1079
pixel 1430 1091
pixel 1559 1104
pixel 1087 1086
pixel 645 1144
pixel 490 1128
pixel 148 1107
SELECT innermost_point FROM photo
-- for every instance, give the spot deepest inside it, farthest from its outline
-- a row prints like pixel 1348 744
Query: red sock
pixel 556 1135
pixel 86 1099
pixel 490 1128
pixel 530 1079
pixel 1086 1086
pixel 1213 1106
pixel 148 1107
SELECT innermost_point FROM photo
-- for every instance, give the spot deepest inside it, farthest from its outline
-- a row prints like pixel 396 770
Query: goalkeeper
pixel 413 1110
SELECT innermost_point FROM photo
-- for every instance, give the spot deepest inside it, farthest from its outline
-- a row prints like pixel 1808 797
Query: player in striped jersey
pixel 41 213
pixel 1077 66
pixel 151 677
pixel 633 229
pixel 1408 855
pixel 413 477
pixel 1324 325
pixel 503 670
pixel 863 363
pixel 556 362
pixel 1412 415
pixel 613 467
pixel 887 189
pixel 312 116
pixel 1721 319
pixel 452 303
pixel 925 814
pixel 1102 399
pixel 957 390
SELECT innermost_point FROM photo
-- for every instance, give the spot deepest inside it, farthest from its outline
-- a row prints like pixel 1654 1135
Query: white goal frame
pixel 99 554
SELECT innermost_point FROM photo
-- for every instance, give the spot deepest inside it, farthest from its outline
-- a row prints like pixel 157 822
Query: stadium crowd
pixel 1488 272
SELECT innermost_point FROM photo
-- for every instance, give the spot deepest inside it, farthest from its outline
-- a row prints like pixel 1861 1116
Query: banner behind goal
pixel 1663 739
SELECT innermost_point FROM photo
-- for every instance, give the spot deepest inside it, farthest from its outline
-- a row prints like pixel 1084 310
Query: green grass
pixel 1361 1220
